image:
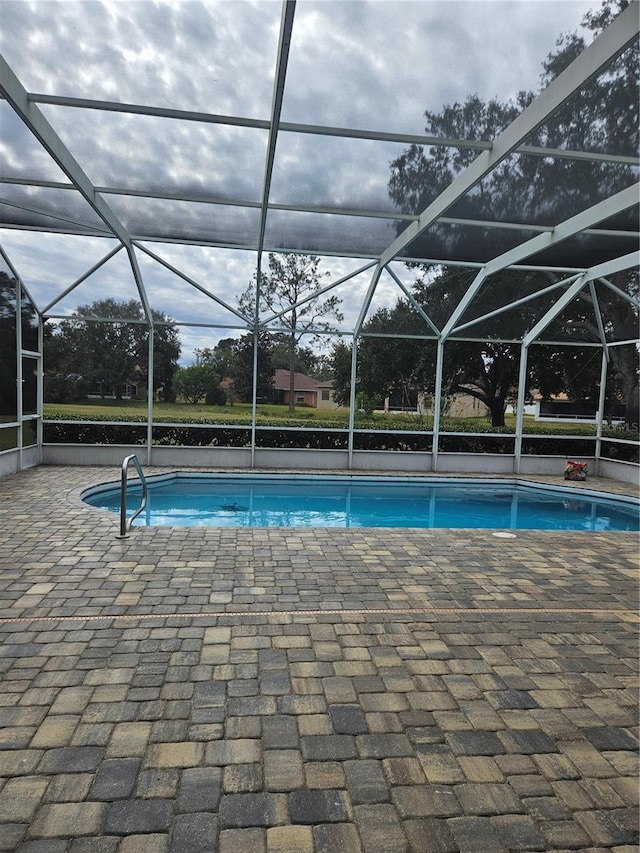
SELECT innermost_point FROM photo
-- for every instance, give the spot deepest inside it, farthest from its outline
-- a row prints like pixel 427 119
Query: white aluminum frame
pixel 595 58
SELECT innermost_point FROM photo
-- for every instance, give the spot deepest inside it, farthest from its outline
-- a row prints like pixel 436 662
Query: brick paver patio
pixel 323 690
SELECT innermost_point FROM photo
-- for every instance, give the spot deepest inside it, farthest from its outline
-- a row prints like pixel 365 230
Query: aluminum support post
pixel 150 380
pixel 437 404
pixel 522 387
pixel 352 398
pixel 602 396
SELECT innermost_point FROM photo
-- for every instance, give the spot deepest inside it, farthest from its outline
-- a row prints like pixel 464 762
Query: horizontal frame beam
pixel 322 130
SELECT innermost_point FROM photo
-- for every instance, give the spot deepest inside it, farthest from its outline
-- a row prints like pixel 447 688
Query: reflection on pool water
pixel 279 500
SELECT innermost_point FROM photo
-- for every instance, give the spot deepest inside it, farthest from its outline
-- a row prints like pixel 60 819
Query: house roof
pixel 301 381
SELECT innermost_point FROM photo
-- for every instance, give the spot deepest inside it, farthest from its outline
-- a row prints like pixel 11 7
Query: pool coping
pixel 605 488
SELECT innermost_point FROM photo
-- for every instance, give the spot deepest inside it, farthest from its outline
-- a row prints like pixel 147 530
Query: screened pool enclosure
pixel 367 234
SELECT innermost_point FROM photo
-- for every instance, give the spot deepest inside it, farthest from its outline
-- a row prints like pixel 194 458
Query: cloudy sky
pixel 366 65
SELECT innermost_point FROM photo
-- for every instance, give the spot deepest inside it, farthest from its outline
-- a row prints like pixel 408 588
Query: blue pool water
pixel 273 500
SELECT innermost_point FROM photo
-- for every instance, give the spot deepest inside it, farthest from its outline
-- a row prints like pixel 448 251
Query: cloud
pixel 353 63
pixel 213 56
pixel 333 171
pixel 147 152
pixel 49 263
pixel 22 156
pixel 380 65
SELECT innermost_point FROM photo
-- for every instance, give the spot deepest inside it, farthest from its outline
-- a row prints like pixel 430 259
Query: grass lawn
pixel 185 412
pixel 240 413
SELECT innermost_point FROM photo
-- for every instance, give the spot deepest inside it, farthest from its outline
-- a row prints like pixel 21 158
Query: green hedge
pixel 558 447
pixel 312 439
pixel 201 436
pixel 376 421
pixel 284 435
pixel 56 433
pixel 392 441
pixel 621 452
pixel 8 438
pixel 475 444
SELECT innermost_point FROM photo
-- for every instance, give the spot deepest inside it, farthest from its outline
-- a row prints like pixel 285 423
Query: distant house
pixel 558 407
pixel 466 406
pixel 455 406
pixel 112 391
pixel 307 391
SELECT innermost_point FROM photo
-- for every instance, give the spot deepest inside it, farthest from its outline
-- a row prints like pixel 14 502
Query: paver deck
pixel 310 691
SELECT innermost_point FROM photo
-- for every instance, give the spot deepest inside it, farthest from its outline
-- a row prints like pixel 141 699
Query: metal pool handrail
pixel 125 524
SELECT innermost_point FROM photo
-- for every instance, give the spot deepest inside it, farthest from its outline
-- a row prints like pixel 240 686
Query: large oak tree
pixel 602 118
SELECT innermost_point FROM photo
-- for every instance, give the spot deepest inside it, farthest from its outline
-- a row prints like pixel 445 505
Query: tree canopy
pixel 523 188
pixel 84 353
pixel 8 357
pixel 404 367
pixel 198 381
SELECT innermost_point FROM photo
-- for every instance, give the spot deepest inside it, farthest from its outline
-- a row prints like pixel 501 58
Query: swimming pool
pixel 285 500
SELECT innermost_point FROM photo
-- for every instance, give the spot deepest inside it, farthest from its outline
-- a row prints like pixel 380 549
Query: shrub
pixel 392 441
pixel 475 444
pixel 64 433
pixel 64 389
pixel 622 452
pixel 195 382
pixel 216 436
pixel 216 397
pixel 301 439
pixel 558 447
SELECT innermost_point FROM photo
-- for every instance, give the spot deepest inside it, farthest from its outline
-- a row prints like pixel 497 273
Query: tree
pixel 290 280
pixel 400 369
pixel 403 368
pixel 243 382
pixel 620 323
pixel 232 359
pixel 166 352
pixel 624 367
pixel 112 354
pixel 602 118
pixel 488 369
pixel 223 357
pixel 418 176
pixel 196 381
pixel 306 360
pixel 318 365
pixel 539 190
pixel 340 360
pixel 8 355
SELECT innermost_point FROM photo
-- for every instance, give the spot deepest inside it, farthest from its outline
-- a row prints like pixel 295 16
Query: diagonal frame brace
pixel 569 228
pixel 34 119
pixel 625 262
